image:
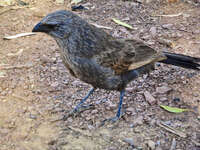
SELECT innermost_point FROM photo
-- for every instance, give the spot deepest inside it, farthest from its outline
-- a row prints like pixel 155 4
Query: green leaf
pixel 122 23
pixel 75 1
pixel 173 109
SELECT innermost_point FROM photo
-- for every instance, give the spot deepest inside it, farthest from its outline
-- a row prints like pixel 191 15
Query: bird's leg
pixel 83 100
pixel 80 105
pixel 118 115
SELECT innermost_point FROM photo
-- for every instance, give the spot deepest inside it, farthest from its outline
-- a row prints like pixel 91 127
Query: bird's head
pixel 58 24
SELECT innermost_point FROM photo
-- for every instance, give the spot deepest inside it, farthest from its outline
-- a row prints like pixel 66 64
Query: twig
pixel 100 26
pixel 173 15
pixel 172 130
pixel 16 54
pixel 19 97
pixel 8 9
pixel 18 35
pixel 16 67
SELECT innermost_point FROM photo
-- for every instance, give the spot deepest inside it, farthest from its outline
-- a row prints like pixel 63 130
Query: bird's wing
pixel 127 54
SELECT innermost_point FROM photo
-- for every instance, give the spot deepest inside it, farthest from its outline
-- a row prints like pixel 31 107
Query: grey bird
pixel 101 60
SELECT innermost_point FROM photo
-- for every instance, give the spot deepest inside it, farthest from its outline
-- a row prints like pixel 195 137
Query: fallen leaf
pixel 173 109
pixel 122 23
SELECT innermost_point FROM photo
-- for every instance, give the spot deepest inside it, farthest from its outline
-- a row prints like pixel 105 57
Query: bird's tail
pixel 182 61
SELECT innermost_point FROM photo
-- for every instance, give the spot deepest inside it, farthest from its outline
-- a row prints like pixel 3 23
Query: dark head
pixel 58 24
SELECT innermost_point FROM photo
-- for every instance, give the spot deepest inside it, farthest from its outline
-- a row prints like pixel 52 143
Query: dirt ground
pixel 36 90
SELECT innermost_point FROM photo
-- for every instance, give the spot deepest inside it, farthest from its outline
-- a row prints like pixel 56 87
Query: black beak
pixel 38 28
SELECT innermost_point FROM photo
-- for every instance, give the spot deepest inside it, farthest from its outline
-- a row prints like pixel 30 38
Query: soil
pixel 36 89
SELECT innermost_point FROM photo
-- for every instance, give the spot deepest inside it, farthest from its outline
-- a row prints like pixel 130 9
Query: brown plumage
pixel 101 60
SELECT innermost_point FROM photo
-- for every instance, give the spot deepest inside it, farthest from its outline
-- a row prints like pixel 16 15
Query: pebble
pixel 138 121
pixel 44 59
pixel 151 144
pixel 167 26
pixel 149 98
pixel 163 99
pixel 130 89
pixel 60 1
pixel 94 111
pixel 54 84
pixel 130 109
pixel 32 116
pixel 90 127
pixel 129 141
pixel 163 89
pixel 153 31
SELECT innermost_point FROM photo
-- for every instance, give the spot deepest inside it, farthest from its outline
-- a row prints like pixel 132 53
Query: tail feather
pixel 182 61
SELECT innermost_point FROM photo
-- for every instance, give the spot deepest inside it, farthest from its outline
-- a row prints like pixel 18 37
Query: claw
pixel 80 107
pixel 112 120
pixel 76 111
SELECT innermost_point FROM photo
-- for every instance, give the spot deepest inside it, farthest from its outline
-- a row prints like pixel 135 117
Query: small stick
pixel 172 130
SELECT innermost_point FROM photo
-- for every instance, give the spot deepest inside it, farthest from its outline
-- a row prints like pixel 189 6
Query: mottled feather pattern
pixel 97 58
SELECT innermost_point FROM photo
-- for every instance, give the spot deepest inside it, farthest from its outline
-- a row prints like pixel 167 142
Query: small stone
pixel 149 98
pixel 163 89
pixel 4 131
pixel 44 59
pixel 130 109
pixel 70 120
pixel 167 26
pixel 130 89
pixel 90 127
pixel 168 122
pixel 151 144
pixel 60 1
pixel 32 116
pixel 195 94
pixel 163 99
pixel 153 31
pixel 54 84
pixel 158 148
pixel 129 141
pixel 54 68
pixel 94 111
pixel 138 121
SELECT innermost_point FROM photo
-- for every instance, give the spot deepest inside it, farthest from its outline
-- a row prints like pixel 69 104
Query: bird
pixel 101 60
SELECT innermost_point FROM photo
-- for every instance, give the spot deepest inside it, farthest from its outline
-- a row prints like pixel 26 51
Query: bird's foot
pixel 111 120
pixel 76 111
